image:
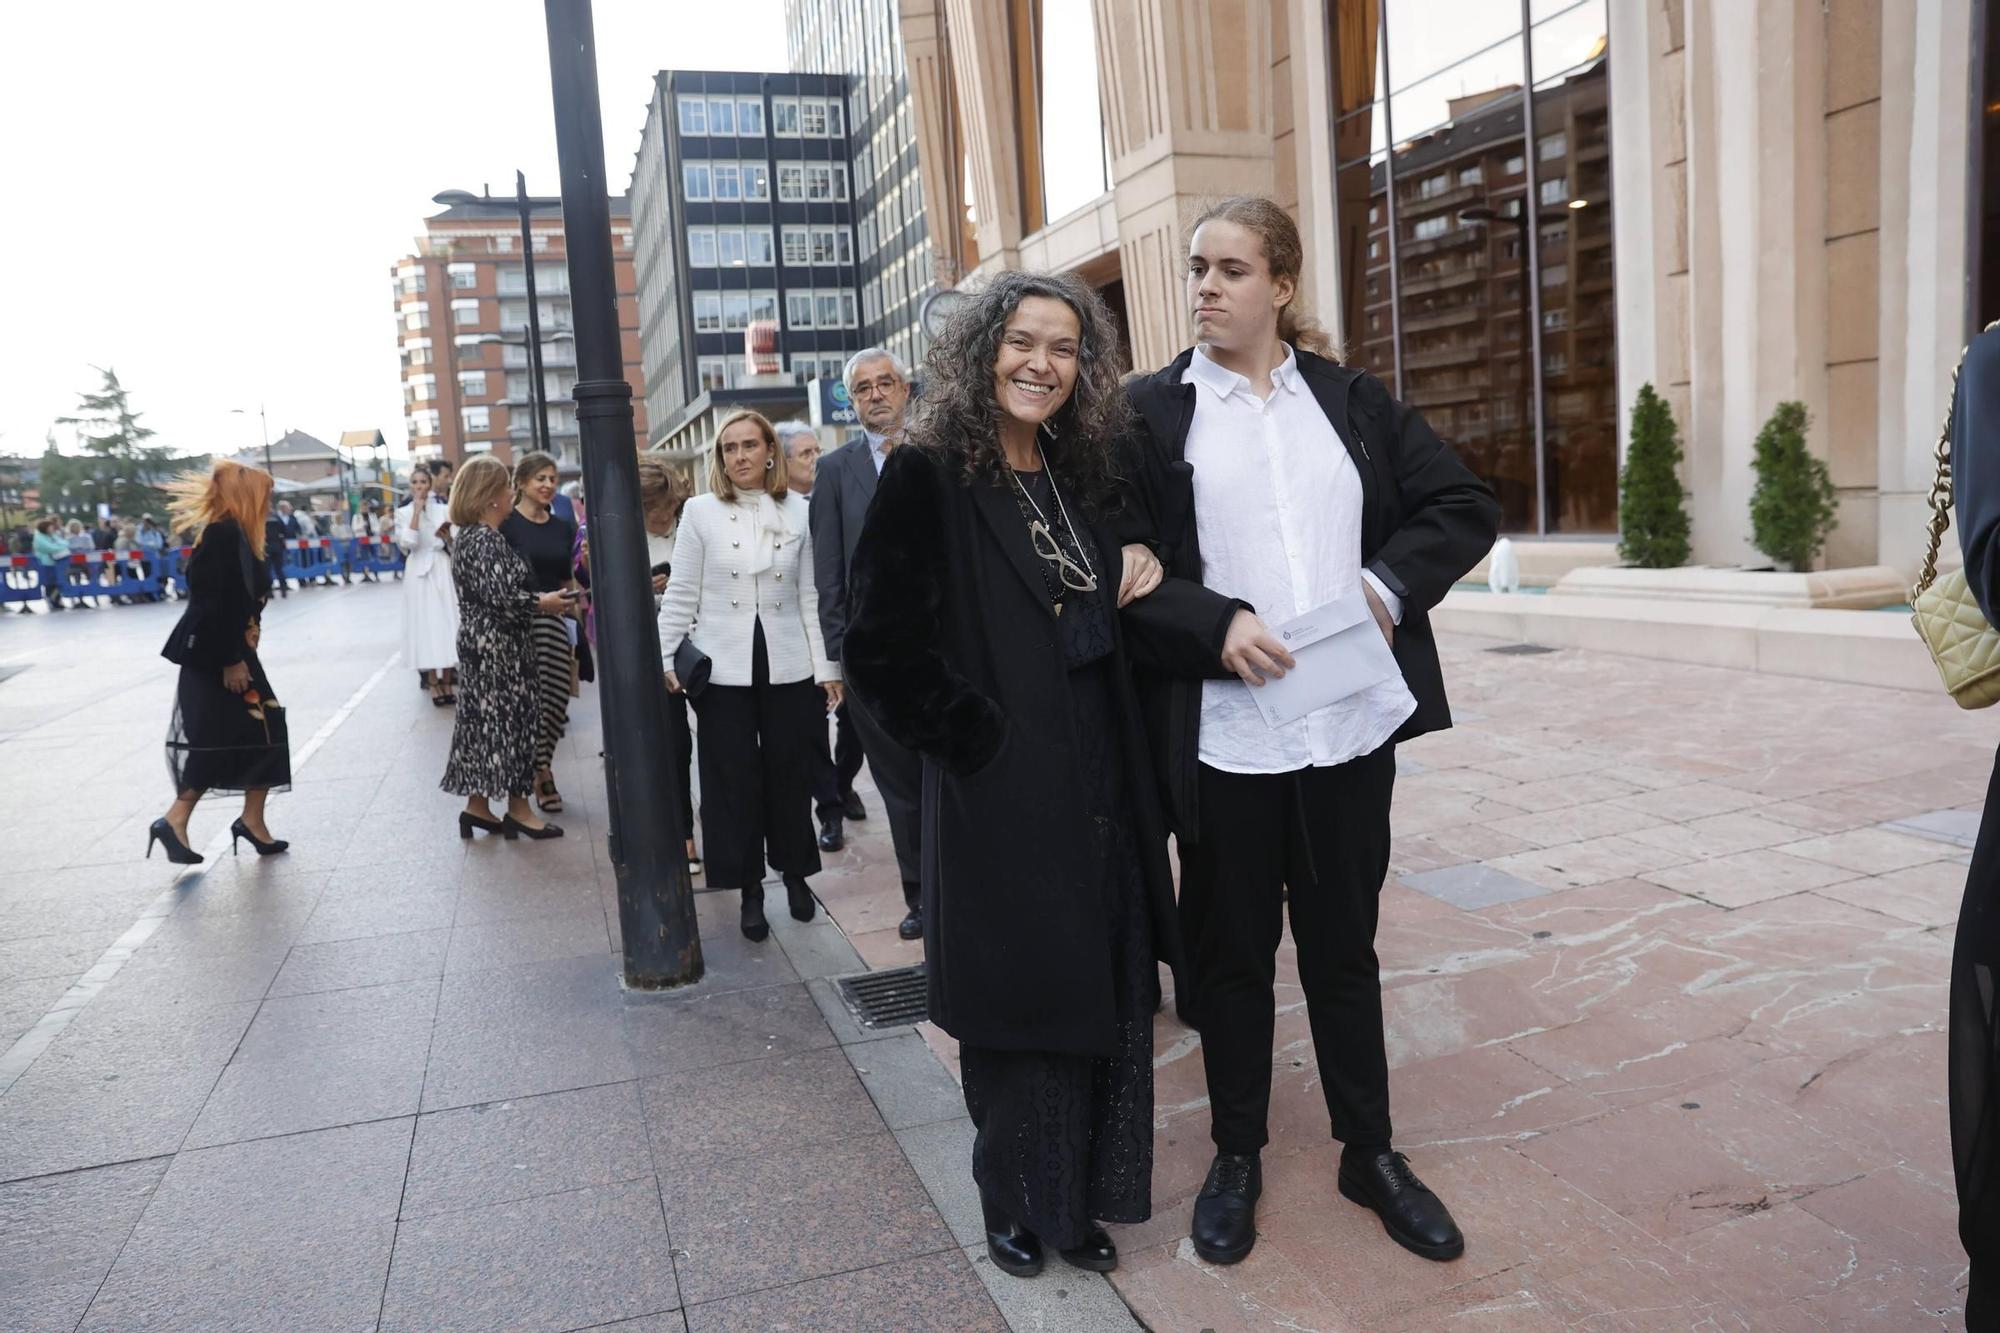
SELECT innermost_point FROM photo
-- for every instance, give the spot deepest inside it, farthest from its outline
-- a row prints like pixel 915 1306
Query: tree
pixel 1652 518
pixel 115 443
pixel 1792 509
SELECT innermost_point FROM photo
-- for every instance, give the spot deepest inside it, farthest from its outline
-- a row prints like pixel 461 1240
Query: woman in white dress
pixel 430 603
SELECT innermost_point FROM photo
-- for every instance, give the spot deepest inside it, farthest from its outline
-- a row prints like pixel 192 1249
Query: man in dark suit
pixel 879 384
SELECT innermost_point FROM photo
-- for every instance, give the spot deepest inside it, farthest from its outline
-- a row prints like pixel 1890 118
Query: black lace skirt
pixel 1062 1140
pixel 219 741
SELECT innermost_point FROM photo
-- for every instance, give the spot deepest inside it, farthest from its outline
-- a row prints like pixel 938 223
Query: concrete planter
pixel 1544 563
pixel 1853 589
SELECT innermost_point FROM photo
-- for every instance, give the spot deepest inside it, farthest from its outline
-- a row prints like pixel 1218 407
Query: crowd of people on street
pixel 1040 608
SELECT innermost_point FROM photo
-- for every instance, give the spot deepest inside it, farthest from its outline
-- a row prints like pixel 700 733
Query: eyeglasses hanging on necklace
pixel 1075 577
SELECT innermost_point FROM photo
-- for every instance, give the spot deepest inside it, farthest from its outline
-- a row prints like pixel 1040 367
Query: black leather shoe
pixel 911 927
pixel 850 805
pixel 799 897
pixel 755 928
pixel 1415 1218
pixel 240 830
pixel 1097 1254
pixel 1012 1247
pixel 1225 1212
pixel 830 838
pixel 177 851
pixel 512 828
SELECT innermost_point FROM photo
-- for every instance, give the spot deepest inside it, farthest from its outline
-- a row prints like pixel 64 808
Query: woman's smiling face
pixel 1035 368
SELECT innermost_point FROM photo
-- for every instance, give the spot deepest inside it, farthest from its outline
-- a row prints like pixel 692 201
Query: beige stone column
pixel 927 66
pixel 982 72
pixel 1188 115
pixel 1309 152
pixel 1926 93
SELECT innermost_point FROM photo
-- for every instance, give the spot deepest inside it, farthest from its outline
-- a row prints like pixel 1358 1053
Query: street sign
pixel 829 404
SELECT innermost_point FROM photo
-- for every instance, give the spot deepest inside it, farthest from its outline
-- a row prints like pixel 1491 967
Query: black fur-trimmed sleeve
pixel 893 655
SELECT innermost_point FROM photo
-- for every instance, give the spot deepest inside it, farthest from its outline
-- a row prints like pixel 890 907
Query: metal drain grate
pixel 895 997
pixel 1521 649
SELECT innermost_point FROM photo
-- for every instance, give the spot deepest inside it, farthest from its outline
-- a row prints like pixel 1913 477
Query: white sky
pixel 209 196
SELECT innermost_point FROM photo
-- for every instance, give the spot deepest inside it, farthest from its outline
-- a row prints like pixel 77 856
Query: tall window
pixel 785 116
pixel 707 312
pixel 694 115
pixel 726 183
pixel 1473 183
pixel 721 115
pixel 756 181
pixel 749 116
pixel 701 247
pixel 695 181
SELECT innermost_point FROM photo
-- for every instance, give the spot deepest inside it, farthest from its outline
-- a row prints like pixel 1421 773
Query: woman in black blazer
pixel 985 637
pixel 228 731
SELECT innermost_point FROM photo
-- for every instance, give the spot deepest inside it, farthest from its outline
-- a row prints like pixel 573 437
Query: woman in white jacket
pixel 430 603
pixel 742 591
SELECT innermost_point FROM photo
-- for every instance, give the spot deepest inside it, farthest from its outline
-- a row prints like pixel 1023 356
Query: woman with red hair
pixel 228 731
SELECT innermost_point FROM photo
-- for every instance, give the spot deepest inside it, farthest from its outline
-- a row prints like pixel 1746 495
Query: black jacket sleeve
pixel 894 655
pixel 829 543
pixel 221 594
pixel 1178 628
pixel 1975 467
pixel 1450 516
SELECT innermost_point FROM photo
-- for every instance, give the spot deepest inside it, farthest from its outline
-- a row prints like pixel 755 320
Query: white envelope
pixel 1340 651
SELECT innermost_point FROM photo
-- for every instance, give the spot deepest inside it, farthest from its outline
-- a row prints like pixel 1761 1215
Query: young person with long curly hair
pixel 228 731
pixel 1269 476
pixel 984 635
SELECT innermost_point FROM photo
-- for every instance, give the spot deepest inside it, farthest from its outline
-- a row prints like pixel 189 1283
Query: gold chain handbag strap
pixel 1941 485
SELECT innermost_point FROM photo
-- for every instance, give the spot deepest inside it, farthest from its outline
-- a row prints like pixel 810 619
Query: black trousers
pixel 681 737
pixel 1316 840
pixel 838 765
pixel 899 777
pixel 756 757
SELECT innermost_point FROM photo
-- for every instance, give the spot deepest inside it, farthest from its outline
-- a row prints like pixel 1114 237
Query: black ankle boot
pixel 1225 1212
pixel 755 928
pixel 799 897
pixel 1096 1255
pixel 1416 1219
pixel 1012 1247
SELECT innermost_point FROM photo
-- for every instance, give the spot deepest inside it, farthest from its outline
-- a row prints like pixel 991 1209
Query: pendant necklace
pixel 1075 577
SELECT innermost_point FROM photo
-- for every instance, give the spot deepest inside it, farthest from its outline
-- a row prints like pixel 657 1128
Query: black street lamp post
pixel 537 392
pixel 662 944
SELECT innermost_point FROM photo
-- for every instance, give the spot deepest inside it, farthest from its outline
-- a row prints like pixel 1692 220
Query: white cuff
pixel 1393 603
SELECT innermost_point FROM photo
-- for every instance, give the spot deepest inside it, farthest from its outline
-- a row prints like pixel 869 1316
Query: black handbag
pixel 691 664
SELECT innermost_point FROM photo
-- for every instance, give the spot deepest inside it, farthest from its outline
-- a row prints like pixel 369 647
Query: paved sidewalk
pixel 389 1079
pixel 1665 946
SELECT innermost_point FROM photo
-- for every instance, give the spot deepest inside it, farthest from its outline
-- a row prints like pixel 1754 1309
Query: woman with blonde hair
pixel 493 736
pixel 741 592
pixel 228 731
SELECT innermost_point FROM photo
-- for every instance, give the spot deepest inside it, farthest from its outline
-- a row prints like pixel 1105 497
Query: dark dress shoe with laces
pixel 850 805
pixel 1013 1248
pixel 1415 1218
pixel 1097 1254
pixel 911 927
pixel 1225 1212
pixel 830 836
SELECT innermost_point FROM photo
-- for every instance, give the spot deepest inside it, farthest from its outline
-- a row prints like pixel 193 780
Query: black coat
pixel 1426 520
pixel 951 645
pixel 224 581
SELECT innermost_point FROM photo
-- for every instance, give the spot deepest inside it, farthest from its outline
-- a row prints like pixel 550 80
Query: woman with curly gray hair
pixel 985 637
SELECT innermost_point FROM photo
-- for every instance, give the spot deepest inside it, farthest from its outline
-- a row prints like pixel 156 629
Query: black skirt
pixel 220 741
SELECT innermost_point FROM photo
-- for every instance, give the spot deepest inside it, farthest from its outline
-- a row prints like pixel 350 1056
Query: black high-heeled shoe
pixel 467 821
pixel 799 897
pixel 241 830
pixel 755 928
pixel 1013 1248
pixel 512 828
pixel 177 851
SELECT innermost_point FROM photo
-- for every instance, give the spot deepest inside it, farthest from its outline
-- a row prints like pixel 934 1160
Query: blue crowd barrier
pixel 26 579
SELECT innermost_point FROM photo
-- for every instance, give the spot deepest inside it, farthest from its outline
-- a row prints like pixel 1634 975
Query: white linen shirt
pixel 1277 506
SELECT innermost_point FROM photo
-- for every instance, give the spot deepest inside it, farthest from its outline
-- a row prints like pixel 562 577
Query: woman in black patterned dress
pixel 493 735
pixel 985 637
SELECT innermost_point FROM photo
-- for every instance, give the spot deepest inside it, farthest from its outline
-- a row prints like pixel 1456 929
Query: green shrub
pixel 1792 509
pixel 1652 518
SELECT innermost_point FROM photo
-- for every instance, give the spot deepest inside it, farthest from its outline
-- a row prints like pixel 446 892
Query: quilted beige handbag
pixel 1948 619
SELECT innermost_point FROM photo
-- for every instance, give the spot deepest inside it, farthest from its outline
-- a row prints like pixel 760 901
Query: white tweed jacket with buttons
pixel 714 599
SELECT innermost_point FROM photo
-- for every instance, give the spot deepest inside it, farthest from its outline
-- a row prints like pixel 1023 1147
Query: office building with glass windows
pixel 1516 212
pixel 461 305
pixel 863 40
pixel 743 221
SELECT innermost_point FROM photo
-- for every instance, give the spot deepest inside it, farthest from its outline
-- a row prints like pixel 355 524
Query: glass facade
pixel 1473 174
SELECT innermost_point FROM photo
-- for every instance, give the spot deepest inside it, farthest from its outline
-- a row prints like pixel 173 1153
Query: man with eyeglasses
pixel 879 384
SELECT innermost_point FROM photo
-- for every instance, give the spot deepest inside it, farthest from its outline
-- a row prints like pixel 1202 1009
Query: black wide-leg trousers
pixel 1315 840
pixel 756 756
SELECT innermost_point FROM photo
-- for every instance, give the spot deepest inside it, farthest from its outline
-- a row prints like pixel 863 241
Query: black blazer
pixel 1975 468
pixel 842 491
pixel 224 578
pixel 953 650
pixel 1426 520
